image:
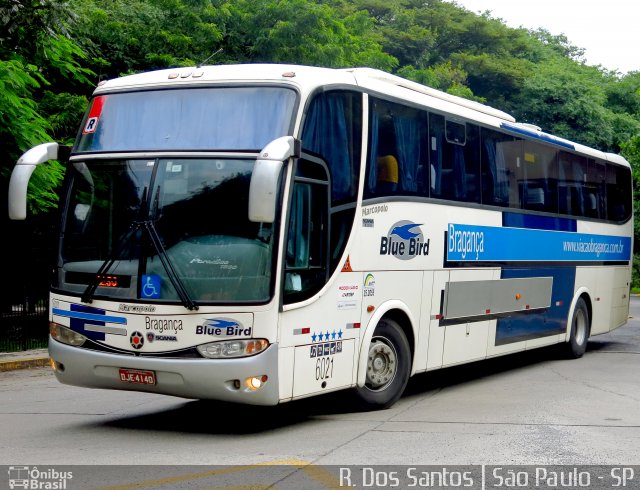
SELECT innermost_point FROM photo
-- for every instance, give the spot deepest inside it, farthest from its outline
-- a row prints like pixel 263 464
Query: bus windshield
pixel 228 118
pixel 150 227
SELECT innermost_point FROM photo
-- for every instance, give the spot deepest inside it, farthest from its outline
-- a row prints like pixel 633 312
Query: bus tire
pixel 388 367
pixel 579 333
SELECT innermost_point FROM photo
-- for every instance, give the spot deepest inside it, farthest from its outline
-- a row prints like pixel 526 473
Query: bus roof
pixel 309 78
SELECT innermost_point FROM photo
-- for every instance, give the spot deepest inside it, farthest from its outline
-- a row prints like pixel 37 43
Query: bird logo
pixel 404 231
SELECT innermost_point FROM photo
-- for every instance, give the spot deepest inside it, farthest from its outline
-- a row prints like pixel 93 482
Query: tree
pixel 304 32
pixel 37 61
pixel 130 36
pixel 631 151
pixel 569 100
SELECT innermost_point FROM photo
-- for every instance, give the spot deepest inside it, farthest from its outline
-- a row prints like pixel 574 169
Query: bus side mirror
pixel 265 178
pixel 22 173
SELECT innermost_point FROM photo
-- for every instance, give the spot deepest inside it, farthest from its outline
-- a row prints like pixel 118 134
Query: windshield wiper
pixel 188 303
pixel 87 295
pixel 168 266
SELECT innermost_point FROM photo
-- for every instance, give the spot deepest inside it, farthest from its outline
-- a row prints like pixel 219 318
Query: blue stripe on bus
pixel 81 316
pixel 533 221
pixel 539 135
pixel 476 244
pixel 100 317
pixel 552 321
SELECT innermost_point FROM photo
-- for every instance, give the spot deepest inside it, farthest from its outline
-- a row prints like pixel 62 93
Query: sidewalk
pixel 10 361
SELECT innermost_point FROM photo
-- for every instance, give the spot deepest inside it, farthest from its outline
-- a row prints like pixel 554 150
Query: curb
pixel 23 364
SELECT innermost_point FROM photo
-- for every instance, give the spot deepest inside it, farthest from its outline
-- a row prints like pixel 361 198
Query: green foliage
pixel 38 63
pixel 299 31
pixel 21 125
pixel 53 51
pixel 559 44
pixel 631 151
pixel 623 94
pixel 569 100
pixel 128 36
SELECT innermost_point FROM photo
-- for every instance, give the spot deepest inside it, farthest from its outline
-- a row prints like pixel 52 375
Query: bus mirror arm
pixel 265 178
pixel 21 175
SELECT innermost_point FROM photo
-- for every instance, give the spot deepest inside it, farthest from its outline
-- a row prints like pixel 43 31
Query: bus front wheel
pixel 388 366
pixel 579 334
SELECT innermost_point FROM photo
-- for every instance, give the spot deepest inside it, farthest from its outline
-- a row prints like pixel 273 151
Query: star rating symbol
pixel 319 337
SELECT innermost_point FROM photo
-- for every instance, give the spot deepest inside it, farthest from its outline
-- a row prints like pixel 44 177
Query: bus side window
pixel 618 192
pixel 572 170
pixel 502 169
pixel 540 177
pixel 495 174
pixel 595 190
pixel 331 130
pixel 396 150
pixel 455 159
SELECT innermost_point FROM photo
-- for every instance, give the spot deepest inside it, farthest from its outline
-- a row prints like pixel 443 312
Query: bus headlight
pixel 232 348
pixel 66 335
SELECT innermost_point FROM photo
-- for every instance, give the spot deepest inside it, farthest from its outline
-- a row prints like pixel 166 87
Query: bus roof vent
pixel 417 87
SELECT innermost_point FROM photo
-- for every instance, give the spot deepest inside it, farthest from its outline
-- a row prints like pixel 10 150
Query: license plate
pixel 137 376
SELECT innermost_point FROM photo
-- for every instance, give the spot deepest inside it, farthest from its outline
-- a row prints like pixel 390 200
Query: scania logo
pixel 161 338
pixel 404 241
pixel 137 340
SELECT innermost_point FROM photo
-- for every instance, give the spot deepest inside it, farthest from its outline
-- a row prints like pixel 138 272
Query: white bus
pixel 264 233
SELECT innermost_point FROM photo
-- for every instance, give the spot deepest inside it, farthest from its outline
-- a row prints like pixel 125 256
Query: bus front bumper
pixel 212 379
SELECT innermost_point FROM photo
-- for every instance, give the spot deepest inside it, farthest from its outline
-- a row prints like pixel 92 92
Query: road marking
pixel 317 473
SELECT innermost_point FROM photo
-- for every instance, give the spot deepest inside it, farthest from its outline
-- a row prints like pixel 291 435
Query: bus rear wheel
pixel 579 334
pixel 388 367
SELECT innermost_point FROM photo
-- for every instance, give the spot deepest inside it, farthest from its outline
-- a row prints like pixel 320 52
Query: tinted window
pixel 595 190
pixel 332 130
pixel 455 132
pixel 571 170
pixel 618 193
pixel 397 150
pixel 496 149
pixel 540 177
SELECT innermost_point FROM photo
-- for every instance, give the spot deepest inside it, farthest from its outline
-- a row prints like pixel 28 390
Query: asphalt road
pixel 534 408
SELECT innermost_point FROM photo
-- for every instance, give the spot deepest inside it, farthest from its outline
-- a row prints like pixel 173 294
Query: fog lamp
pixel 255 382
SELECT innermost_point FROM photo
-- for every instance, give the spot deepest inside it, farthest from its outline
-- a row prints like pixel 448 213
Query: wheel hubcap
pixel 382 364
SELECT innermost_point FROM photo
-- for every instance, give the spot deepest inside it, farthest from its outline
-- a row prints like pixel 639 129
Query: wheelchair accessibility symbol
pixel 150 286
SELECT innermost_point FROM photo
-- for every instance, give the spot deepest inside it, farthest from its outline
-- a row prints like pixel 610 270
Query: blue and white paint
pixel 471 243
